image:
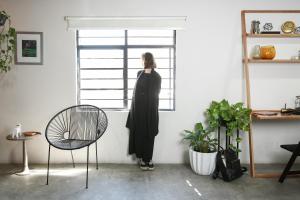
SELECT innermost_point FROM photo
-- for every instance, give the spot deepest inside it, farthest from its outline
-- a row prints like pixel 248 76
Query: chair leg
pixel 48 165
pixel 288 167
pixel 72 159
pixel 96 157
pixel 87 168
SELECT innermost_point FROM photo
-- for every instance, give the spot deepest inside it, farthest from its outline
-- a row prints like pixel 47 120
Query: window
pixel 108 62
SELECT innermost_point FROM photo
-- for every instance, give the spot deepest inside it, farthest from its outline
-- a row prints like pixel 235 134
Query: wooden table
pixel 23 139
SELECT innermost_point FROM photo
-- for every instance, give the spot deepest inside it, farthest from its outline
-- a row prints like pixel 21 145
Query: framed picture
pixel 29 48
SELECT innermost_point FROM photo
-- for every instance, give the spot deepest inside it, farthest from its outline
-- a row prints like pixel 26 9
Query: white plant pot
pixel 202 163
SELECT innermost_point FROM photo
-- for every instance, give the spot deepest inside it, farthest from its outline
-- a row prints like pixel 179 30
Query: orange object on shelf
pixel 267 52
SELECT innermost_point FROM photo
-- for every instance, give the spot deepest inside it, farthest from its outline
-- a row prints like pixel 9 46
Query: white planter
pixel 202 163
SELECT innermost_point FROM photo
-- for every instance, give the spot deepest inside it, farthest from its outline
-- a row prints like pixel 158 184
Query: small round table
pixel 23 138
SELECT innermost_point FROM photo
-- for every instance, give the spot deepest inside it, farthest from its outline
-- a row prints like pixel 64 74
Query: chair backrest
pixel 80 125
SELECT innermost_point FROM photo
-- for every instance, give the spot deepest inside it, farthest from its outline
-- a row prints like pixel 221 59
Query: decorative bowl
pixel 267 52
pixel 288 27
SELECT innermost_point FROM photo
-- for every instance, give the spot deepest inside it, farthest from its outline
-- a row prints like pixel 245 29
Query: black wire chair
pixel 76 127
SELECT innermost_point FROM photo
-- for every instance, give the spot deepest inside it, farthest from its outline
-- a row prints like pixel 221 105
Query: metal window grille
pixel 108 62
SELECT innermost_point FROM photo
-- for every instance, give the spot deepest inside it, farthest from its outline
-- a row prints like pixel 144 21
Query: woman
pixel 142 119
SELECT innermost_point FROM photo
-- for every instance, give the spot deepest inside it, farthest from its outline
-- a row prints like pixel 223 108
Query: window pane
pixel 157 52
pixel 130 92
pixel 101 73
pixel 164 63
pixel 165 73
pixel 166 104
pixel 101 53
pixel 166 94
pixel 135 63
pixel 161 63
pixel 150 41
pixel 101 33
pixel 151 33
pixel 167 83
pixel 101 94
pixel 101 41
pixel 131 83
pixel 104 103
pixel 132 73
pixel 101 84
pixel 101 63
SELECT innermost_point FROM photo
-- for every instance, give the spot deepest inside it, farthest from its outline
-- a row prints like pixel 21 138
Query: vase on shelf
pixel 267 52
pixel 256 52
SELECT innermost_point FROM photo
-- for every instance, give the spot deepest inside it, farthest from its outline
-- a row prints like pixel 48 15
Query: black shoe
pixel 143 165
pixel 150 166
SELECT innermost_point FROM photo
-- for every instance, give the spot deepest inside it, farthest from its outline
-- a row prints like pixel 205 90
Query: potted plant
pixel 7 42
pixel 232 117
pixel 202 151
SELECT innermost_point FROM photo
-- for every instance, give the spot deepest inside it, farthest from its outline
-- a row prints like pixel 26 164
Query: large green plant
pixel 7 42
pixel 201 139
pixel 232 117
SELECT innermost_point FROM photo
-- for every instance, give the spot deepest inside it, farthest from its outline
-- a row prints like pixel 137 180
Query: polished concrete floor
pixel 118 182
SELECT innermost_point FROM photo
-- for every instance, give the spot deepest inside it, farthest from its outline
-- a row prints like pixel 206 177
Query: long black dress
pixel 143 116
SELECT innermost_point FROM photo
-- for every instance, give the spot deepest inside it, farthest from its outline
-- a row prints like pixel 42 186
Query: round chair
pixel 76 127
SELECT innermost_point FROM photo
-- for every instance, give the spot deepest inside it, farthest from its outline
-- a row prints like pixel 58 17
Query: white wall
pixel 208 68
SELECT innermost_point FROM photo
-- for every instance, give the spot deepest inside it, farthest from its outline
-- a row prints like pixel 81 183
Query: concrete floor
pixel 120 182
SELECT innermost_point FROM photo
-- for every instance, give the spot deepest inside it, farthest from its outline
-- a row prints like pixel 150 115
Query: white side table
pixel 23 139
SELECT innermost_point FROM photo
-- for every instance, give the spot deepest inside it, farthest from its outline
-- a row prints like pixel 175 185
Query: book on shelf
pixel 270 32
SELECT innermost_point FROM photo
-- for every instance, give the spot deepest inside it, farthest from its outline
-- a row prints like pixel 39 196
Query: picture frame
pixel 29 48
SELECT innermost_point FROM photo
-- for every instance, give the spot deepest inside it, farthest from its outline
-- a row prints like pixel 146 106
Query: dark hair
pixel 149 62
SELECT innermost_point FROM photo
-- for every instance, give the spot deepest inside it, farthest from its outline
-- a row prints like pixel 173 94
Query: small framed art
pixel 29 48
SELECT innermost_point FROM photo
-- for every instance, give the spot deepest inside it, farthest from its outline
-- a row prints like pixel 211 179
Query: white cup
pixel 17 131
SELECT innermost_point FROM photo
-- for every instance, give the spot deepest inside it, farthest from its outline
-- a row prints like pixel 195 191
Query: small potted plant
pixel 202 151
pixel 7 42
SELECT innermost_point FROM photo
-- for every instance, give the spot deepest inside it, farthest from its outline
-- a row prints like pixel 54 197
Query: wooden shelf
pixel 273 61
pixel 279 116
pixel 273 35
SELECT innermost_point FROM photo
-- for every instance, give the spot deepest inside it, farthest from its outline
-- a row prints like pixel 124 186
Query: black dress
pixel 143 116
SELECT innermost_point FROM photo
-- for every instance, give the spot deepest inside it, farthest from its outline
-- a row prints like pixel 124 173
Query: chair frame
pixel 88 145
pixel 289 165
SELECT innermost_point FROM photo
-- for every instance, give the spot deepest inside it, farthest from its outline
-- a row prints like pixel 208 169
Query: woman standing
pixel 143 119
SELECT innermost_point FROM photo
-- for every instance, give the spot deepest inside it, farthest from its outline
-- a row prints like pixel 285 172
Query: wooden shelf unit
pixel 246 62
